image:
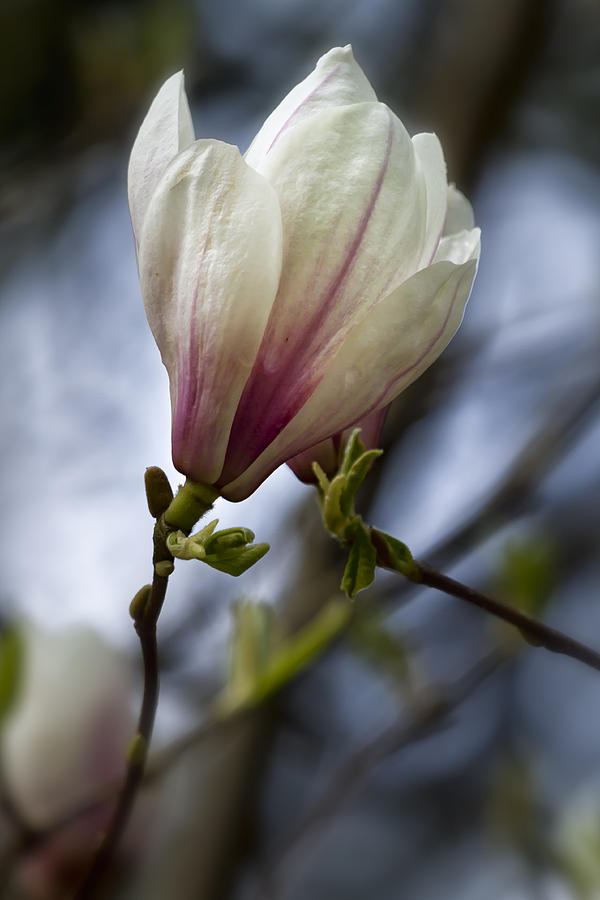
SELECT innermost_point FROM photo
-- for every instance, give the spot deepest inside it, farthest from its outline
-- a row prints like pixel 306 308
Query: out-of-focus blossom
pixel 65 738
pixel 298 289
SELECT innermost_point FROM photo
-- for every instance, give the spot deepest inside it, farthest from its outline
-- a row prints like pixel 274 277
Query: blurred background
pixel 352 782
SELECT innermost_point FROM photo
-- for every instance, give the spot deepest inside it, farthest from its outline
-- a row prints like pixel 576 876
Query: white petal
pixel 210 259
pixel 337 80
pixel 433 165
pixel 166 130
pixel 459 247
pixel 460 212
pixel 353 209
pixel 397 341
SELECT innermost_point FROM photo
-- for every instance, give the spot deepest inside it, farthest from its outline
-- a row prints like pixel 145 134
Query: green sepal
pixel 11 668
pixel 393 554
pixel 237 560
pixel 362 560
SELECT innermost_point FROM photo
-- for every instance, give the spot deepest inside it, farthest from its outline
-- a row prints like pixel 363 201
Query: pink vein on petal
pixel 271 399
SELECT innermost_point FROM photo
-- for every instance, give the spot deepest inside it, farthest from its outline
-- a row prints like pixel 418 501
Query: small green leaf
pixel 237 560
pixel 322 479
pixel 353 450
pixel 11 667
pixel 362 560
pixel 355 477
pixel 393 554
pixel 333 516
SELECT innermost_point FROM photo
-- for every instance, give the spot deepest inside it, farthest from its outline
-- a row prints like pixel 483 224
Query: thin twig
pixel 534 631
pixel 146 629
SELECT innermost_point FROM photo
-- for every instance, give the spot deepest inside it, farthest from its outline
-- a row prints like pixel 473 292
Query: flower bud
pixel 297 290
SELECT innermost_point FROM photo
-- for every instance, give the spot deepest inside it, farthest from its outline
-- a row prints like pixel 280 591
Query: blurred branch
pixel 145 625
pixel 566 422
pixel 430 714
pixel 564 425
pixel 534 632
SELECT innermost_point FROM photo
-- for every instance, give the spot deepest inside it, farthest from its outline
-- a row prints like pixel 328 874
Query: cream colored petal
pixel 396 342
pixel 353 209
pixel 210 260
pixel 459 247
pixel 166 130
pixel 433 166
pixel 337 80
pixel 460 212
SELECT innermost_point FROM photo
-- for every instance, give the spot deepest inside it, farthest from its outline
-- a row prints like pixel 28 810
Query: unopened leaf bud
pixel 137 606
pixel 158 491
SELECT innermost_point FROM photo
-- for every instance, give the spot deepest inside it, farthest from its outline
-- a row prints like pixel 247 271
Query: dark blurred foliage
pixel 387 769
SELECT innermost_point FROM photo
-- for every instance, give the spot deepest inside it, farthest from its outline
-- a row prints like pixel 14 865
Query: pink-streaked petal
pixel 166 130
pixel 337 80
pixel 353 209
pixel 433 166
pixel 370 428
pixel 460 212
pixel 400 337
pixel 210 260
pixel 327 452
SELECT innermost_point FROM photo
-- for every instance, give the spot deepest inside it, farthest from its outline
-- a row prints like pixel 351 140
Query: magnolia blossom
pixel 297 289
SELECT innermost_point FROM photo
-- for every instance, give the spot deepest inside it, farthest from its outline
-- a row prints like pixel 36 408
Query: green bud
pixel 164 568
pixel 137 750
pixel 158 491
pixel 137 607
pixel 228 539
pixel 11 667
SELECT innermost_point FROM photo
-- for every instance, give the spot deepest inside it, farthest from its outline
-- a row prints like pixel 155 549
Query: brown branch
pixel 534 631
pixel 145 625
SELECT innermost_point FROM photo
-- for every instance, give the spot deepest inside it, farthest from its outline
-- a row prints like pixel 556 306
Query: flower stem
pixel 190 503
